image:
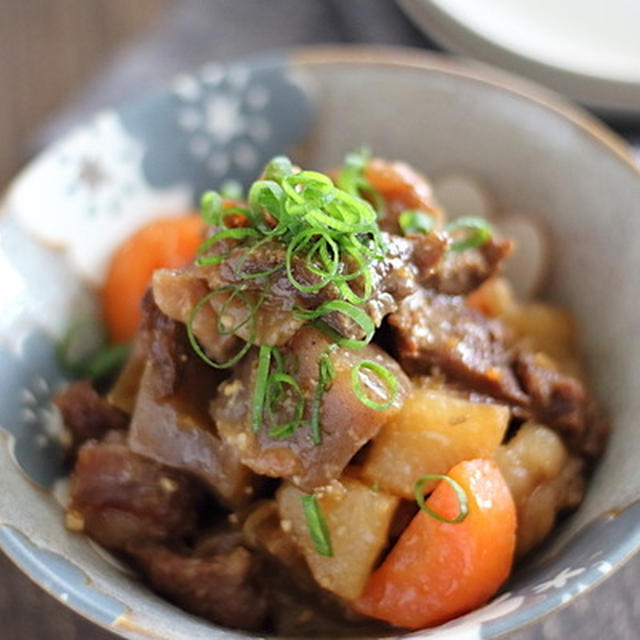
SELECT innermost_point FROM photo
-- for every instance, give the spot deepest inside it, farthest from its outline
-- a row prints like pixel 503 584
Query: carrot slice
pixel 401 186
pixel 437 571
pixel 164 243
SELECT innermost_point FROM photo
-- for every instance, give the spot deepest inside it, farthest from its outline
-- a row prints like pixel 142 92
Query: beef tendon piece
pixel 118 496
pixel 221 587
pixel 182 436
pixel 543 478
pixel 358 521
pixel 87 415
pixel 346 422
pixel 440 332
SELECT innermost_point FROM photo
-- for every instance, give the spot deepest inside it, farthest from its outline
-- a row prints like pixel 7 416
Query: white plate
pixel 587 49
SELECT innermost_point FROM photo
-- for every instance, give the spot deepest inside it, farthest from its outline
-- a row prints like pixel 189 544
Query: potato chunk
pixel 358 520
pixel 434 430
pixel 550 330
pixel 544 480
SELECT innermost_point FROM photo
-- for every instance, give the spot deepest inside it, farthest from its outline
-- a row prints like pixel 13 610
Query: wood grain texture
pixel 48 50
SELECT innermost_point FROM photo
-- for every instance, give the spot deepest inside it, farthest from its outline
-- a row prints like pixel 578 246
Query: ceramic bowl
pixel 70 207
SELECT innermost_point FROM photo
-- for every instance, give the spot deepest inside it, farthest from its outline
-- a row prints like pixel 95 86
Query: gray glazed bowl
pixel 69 208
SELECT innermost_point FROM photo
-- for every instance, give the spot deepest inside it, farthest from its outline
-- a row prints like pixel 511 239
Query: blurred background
pixel 49 50
pixel 61 60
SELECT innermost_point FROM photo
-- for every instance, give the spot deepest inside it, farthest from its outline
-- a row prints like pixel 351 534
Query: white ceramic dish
pixel 587 49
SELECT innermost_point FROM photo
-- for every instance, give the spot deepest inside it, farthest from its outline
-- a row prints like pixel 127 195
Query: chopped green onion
pixel 211 208
pixel 479 232
pixel 260 390
pixel 331 235
pixel 352 178
pixel 276 400
pixel 317 526
pixel 416 222
pixel 359 317
pixel 194 342
pixel 389 380
pixel 231 190
pixel 84 353
pixel 326 375
pixel 236 233
pixel 83 338
pixel 375 487
pixel 278 168
pixel 265 195
pixel 108 360
pixel 463 502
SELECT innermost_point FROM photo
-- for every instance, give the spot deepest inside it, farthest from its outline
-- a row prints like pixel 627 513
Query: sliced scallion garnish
pixel 260 390
pixel 284 395
pixel 463 502
pixel 107 360
pixel 478 232
pixel 352 178
pixel 252 310
pixel 318 529
pixel 84 351
pixel 416 222
pixel 331 236
pixel 211 208
pixel 387 378
pixel 356 314
pixel 231 190
pixel 326 375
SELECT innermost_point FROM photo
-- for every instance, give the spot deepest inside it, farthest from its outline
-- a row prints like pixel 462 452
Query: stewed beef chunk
pixel 221 587
pixel 464 271
pixel 437 331
pixel 118 496
pixel 442 333
pixel 87 415
pixel 563 403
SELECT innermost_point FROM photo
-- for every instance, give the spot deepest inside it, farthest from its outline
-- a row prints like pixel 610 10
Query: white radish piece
pixel 462 195
pixel 527 266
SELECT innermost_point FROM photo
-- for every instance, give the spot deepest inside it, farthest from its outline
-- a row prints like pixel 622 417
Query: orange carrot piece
pixel 401 186
pixel 437 571
pixel 164 243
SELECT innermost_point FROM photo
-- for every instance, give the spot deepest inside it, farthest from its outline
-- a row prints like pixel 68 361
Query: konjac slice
pixel 182 438
pixel 437 571
pixel 358 522
pixel 435 429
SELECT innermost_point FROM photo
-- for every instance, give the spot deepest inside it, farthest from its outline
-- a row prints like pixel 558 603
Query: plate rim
pixel 608 96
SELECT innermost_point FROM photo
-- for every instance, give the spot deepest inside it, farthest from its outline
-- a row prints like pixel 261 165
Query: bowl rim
pixel 375 56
